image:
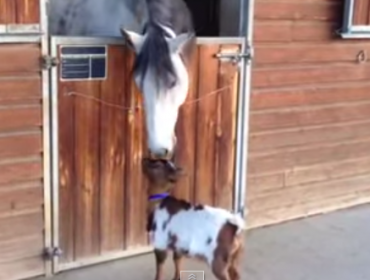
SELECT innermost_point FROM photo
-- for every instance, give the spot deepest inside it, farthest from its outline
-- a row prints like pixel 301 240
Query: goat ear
pixel 133 39
pixel 177 44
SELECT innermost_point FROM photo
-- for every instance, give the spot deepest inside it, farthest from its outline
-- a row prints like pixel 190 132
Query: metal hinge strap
pixel 48 62
pixel 236 57
pixel 51 252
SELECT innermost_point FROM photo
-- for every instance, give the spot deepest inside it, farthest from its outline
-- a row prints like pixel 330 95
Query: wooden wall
pixel 361 13
pixel 19 11
pixel 310 128
pixel 102 191
pixel 21 175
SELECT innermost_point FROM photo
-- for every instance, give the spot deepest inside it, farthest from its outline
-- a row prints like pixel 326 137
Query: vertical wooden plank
pixel 185 131
pixel 206 124
pixel 87 131
pixel 225 136
pixel 135 193
pixel 361 12
pixel 28 11
pixel 67 187
pixel 7 11
pixel 112 161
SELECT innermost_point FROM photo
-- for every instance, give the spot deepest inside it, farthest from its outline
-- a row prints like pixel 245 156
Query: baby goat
pixel 211 234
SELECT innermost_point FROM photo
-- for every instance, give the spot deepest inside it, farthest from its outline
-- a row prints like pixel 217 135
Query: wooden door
pixel 101 140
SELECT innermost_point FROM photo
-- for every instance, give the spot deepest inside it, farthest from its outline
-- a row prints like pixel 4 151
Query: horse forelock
pixel 166 19
pixel 155 55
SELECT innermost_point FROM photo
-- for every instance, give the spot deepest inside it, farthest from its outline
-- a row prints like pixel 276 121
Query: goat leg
pixel 177 259
pixel 160 259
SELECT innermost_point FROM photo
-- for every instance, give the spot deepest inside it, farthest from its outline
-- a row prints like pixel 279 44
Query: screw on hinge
pixel 50 253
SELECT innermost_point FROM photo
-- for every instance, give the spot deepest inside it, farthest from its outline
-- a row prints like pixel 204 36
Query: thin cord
pixel 138 107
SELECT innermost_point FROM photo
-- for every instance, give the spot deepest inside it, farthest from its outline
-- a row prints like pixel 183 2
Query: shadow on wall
pixel 215 18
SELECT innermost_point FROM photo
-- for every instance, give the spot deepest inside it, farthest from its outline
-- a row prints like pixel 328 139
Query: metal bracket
pixel 48 62
pixel 235 58
pixel 50 253
pixel 243 211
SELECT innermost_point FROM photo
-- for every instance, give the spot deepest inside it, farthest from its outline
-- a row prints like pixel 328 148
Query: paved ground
pixel 335 246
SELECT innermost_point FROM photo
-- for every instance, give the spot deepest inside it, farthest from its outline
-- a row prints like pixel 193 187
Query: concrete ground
pixel 334 246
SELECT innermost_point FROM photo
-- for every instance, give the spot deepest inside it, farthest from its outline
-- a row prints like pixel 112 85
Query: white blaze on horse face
pixel 162 107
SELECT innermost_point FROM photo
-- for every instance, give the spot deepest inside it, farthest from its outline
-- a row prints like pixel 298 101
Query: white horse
pixel 161 34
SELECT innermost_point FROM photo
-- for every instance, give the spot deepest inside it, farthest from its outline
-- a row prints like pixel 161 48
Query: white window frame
pixel 350 30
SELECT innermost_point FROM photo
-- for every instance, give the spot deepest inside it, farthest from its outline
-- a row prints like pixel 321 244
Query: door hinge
pixel 235 57
pixel 50 253
pixel 48 62
pixel 243 211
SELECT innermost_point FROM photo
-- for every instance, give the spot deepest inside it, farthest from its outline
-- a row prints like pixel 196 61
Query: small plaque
pixel 83 63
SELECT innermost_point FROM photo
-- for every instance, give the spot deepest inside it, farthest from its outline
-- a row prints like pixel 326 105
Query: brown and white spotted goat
pixel 211 234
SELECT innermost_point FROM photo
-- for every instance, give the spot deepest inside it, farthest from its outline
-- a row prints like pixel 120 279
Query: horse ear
pixel 177 44
pixel 134 40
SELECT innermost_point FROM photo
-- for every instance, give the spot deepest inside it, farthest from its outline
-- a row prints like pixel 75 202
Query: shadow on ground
pixel 335 246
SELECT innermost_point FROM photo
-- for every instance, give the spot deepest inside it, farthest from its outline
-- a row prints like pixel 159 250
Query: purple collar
pixel 158 196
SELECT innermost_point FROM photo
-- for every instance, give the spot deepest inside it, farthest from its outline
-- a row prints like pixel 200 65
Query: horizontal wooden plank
pixel 21 226
pixel 20 171
pixel 20 117
pixel 288 160
pixel 297 53
pixel 22 269
pixel 261 185
pixel 274 216
pixel 297 10
pixel 309 116
pixel 23 145
pixel 293 31
pixel 309 95
pixel 16 199
pixel 24 248
pixel 309 75
pixel 307 136
pixel 20 89
pixel 19 58
pixel 310 192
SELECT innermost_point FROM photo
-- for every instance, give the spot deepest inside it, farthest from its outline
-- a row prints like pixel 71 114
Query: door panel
pixel 101 140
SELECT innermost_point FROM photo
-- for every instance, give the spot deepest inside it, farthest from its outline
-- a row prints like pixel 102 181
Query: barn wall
pixel 361 12
pixel 21 184
pixel 310 109
pixel 19 11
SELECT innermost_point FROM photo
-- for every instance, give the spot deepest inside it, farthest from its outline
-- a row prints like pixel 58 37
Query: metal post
pixel 348 16
pixel 246 30
pixel 46 137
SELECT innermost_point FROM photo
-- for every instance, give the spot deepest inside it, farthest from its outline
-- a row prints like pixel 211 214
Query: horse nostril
pixel 166 152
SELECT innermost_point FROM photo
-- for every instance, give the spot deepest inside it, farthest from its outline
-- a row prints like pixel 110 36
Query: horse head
pixel 161 74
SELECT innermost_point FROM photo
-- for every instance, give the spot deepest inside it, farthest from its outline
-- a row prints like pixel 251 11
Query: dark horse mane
pixel 155 53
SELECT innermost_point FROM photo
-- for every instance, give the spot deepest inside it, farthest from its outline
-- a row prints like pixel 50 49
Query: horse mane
pixel 155 53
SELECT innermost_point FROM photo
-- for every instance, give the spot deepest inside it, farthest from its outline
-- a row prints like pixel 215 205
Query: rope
pixel 109 104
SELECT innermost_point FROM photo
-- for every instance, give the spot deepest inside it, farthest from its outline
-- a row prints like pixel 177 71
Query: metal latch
pixel 50 253
pixel 234 57
pixel 49 62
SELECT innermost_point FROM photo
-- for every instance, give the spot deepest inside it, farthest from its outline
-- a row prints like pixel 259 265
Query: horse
pixel 161 35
